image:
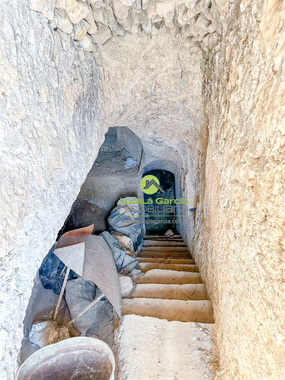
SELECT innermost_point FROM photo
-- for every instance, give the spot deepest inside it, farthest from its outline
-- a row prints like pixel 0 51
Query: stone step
pixel 157 349
pixel 164 249
pixel 163 260
pixel 144 267
pixel 172 310
pixel 168 255
pixel 162 237
pixel 176 240
pixel 166 291
pixel 161 276
pixel 180 241
pixel 151 243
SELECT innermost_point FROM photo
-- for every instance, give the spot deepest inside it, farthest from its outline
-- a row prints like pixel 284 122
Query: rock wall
pixel 239 244
pixel 49 140
pixel 60 92
pixel 70 69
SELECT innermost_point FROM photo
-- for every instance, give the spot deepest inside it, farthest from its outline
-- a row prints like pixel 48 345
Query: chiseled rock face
pixel 195 20
pixel 50 113
pixel 76 10
pixel 200 83
pixel 45 7
pixel 48 106
pixel 239 225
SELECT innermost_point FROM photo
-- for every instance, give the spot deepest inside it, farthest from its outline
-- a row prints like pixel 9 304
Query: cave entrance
pixel 160 209
pixel 115 174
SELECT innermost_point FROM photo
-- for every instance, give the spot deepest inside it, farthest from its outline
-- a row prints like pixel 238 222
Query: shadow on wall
pixel 114 175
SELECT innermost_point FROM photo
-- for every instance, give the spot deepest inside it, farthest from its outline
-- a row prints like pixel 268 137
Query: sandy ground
pixel 150 349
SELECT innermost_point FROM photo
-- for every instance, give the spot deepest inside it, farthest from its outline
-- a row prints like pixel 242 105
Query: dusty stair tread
pixel 162 236
pixel 155 243
pixel 176 240
pixel 171 291
pixel 161 276
pixel 144 267
pixel 172 310
pixel 165 249
pixel 151 348
pixel 170 255
pixel 164 260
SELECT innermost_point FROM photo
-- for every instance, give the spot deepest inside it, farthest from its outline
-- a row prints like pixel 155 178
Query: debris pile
pixel 91 274
pixel 47 332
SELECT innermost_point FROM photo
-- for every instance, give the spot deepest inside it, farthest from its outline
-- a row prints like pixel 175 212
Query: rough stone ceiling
pixel 97 21
pixel 149 56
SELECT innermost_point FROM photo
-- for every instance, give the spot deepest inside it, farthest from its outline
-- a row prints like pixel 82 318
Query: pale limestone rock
pixel 43 94
pixel 128 3
pixel 223 6
pixel 242 168
pixel 165 8
pixel 151 10
pixel 118 31
pixel 145 4
pixel 156 19
pixel 190 4
pixel 211 28
pixel 46 8
pixel 121 11
pixel 126 285
pixel 9 77
pixel 188 30
pixel 141 18
pixel 169 22
pixel 100 16
pixel 202 25
pixel 112 22
pixel 123 15
pixel 81 54
pixel 63 22
pixel 103 35
pixel 240 185
pixel 203 5
pixel 137 6
pixel 86 43
pixel 80 30
pixel 181 10
pixel 97 3
pixel 147 27
pixel 60 4
pixel 191 12
pixel 76 10
pixel 92 24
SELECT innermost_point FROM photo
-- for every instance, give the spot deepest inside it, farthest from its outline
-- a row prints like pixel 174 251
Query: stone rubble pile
pixel 94 22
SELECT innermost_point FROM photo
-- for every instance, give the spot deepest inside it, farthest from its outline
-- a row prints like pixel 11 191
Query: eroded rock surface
pixel 239 226
pixel 201 83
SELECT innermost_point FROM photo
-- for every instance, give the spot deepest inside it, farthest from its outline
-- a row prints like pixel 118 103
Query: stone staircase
pixel 170 287
pixel 167 330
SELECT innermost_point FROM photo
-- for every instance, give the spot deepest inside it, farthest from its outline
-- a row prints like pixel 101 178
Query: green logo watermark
pixel 150 184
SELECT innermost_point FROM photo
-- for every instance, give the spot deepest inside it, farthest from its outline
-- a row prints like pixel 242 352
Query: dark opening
pixel 114 175
pixel 160 209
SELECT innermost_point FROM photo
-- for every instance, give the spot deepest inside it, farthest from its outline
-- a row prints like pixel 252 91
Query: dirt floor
pixel 151 349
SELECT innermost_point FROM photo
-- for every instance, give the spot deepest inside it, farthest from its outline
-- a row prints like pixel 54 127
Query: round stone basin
pixel 74 358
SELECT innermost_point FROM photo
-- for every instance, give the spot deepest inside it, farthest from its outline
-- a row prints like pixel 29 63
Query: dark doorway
pixel 160 209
